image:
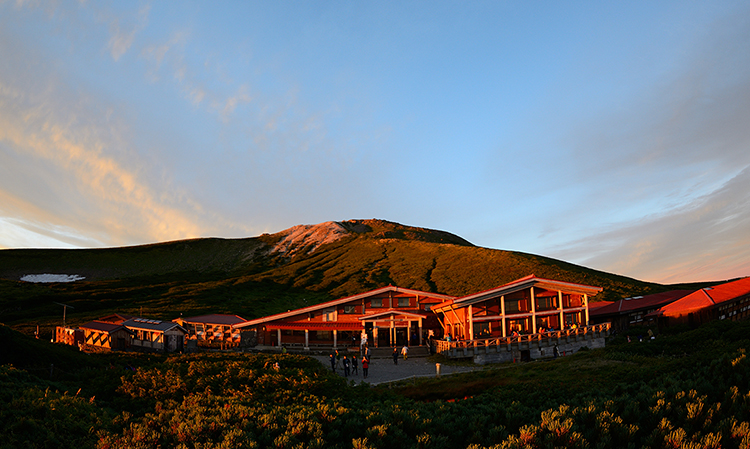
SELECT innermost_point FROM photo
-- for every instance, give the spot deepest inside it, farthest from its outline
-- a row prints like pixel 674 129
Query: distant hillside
pixel 256 276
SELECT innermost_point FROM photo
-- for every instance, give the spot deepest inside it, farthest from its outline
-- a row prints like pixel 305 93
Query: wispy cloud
pixel 681 149
pixel 83 148
pixel 704 240
pixel 122 36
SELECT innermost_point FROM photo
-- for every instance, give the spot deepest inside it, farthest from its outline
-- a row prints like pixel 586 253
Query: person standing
pixel 346 366
pixel 405 351
pixel 365 367
pixel 333 363
pixel 362 343
pixel 354 365
pixel 395 356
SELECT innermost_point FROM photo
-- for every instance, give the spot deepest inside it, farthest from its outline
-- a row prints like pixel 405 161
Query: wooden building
pixel 98 334
pixel 156 335
pixel 520 307
pixel 214 329
pixel 633 311
pixel 68 336
pixel 728 301
pixel 384 317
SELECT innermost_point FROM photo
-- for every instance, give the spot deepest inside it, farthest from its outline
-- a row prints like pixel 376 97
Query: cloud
pixel 121 40
pixel 53 134
pixel 706 239
pixel 681 148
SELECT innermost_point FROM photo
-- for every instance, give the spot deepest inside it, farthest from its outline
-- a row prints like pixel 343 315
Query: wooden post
pixel 533 312
pixel 471 322
pixel 278 337
pixel 391 333
pixel 335 336
pixel 560 306
pixel 307 339
pixel 586 304
pixel 502 314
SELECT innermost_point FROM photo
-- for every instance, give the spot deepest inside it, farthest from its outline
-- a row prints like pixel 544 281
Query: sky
pixel 614 135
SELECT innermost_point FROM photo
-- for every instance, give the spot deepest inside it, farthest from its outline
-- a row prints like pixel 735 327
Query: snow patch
pixel 52 278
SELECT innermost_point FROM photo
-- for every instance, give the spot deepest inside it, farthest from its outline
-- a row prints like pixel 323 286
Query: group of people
pixel 349 365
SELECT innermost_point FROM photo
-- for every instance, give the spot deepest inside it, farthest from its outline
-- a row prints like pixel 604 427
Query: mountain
pixel 270 273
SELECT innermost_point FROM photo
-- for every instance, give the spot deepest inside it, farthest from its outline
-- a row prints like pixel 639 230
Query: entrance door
pixel 171 343
pixel 402 336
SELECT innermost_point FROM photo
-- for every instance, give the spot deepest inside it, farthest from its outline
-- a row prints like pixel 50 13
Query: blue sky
pixel 609 134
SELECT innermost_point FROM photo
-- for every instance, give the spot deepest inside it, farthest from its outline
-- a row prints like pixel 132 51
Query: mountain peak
pixel 305 239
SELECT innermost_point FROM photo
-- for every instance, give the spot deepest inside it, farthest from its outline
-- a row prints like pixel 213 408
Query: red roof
pixel 628 305
pixel 317 326
pixel 706 298
pixel 316 307
pixel 103 327
pixel 525 282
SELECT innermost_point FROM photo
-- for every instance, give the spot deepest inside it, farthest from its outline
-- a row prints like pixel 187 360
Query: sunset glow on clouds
pixel 613 136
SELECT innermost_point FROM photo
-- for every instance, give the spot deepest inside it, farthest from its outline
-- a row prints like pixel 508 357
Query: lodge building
pixel 520 307
pixel 386 316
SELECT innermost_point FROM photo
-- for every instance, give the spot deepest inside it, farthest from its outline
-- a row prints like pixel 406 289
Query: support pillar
pixel 533 311
pixel 502 314
pixel 420 332
pixel 471 322
pixel 586 304
pixel 335 336
pixel 560 306
pixel 307 340
pixel 278 337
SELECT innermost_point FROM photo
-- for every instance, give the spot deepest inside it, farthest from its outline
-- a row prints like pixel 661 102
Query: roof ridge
pixel 705 292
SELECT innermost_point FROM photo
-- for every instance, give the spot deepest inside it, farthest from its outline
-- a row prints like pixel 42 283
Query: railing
pixel 447 347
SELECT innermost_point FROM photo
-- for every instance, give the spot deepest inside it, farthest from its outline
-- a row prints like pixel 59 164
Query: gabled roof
pixel 639 303
pixel 320 326
pixel 706 298
pixel 115 318
pixel 520 284
pixel 151 325
pixel 379 315
pixel 103 327
pixel 215 318
pixel 335 302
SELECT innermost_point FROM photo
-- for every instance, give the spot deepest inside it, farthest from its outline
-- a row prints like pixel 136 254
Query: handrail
pixel 443 346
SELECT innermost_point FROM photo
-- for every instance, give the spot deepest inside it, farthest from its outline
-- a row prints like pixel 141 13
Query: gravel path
pixel 383 370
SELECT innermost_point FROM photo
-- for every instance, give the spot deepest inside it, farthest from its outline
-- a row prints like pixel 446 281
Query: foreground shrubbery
pixel 687 390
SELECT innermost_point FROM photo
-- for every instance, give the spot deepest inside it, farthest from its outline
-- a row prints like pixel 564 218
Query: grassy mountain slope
pixel 267 274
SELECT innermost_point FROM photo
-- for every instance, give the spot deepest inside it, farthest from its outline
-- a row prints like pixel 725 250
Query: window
pixel 376 302
pixel 512 305
pixel 545 302
pixel 403 302
pixel 427 307
pixel 324 335
pixel 481 330
pixel 329 315
pixel 350 309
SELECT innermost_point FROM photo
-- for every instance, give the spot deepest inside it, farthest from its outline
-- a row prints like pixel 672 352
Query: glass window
pixel 350 309
pixel 481 330
pixel 376 302
pixel 403 302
